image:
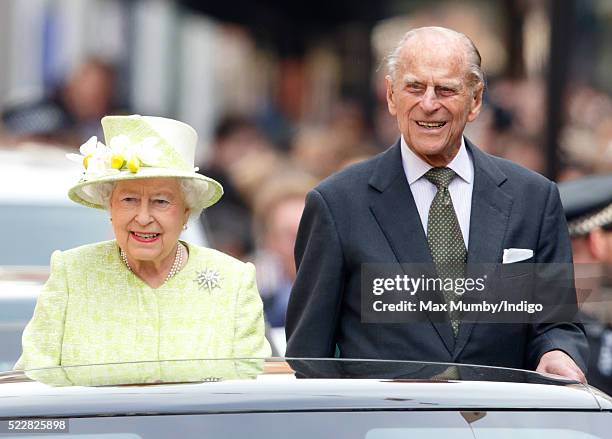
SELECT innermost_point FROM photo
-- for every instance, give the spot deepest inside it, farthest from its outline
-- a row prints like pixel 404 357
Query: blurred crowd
pixel 266 179
pixel 69 115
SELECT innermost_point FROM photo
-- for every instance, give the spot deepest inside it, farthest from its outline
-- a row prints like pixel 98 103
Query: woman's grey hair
pixel 191 192
pixel 475 73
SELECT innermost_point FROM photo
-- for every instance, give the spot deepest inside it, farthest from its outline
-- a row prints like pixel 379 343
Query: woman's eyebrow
pixel 163 193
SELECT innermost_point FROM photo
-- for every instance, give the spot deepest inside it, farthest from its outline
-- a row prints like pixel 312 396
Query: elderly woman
pixel 145 295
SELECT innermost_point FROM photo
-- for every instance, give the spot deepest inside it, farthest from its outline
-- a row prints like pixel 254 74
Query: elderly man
pixel 587 203
pixel 432 197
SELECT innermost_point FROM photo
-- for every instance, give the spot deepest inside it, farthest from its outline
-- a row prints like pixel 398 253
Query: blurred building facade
pixel 305 80
pixel 295 67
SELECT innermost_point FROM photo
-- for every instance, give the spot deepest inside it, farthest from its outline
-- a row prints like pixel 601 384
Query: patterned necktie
pixel 444 237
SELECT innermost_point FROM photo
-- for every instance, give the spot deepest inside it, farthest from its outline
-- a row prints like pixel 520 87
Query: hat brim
pixel 212 190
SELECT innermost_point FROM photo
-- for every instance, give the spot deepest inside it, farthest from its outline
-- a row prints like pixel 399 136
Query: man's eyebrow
pixel 455 85
pixel 410 79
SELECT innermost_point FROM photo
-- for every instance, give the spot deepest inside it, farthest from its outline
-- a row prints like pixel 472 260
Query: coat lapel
pixel 489 216
pixel 396 213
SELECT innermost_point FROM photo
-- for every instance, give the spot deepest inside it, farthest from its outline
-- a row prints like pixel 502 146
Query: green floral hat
pixel 140 147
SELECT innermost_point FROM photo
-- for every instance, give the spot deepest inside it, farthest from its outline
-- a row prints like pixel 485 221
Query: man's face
pixel 431 99
pixel 601 245
pixel 283 222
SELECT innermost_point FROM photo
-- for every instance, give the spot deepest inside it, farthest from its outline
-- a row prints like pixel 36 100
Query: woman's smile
pixel 145 237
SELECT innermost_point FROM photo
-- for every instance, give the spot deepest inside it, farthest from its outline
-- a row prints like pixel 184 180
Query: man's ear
pixel 476 102
pixel 390 96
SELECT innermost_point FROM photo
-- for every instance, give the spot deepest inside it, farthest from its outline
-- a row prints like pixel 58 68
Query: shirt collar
pixel 415 167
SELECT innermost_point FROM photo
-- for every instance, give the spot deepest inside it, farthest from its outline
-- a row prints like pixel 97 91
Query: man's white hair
pixel 191 192
pixel 475 73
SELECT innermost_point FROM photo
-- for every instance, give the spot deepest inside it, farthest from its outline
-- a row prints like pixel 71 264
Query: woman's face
pixel 148 216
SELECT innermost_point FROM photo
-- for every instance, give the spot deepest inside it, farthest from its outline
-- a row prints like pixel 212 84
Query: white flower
pixel 89 149
pixel 119 144
pixel 99 166
pixel 146 151
pixel 95 167
pixel 101 160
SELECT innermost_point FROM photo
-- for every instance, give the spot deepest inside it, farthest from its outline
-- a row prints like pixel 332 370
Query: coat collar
pixel 490 207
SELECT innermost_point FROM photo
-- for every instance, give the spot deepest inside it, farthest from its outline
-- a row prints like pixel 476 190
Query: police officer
pixel 588 208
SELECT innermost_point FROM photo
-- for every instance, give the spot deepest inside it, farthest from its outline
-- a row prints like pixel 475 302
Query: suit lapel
pixel 397 214
pixel 489 216
pixel 396 211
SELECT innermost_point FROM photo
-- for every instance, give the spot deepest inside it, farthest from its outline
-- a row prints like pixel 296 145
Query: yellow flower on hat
pixel 99 159
pixel 119 145
pixel 143 154
pixel 117 161
pixel 133 164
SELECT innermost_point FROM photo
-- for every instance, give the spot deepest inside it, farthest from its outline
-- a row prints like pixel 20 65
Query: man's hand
pixel 559 363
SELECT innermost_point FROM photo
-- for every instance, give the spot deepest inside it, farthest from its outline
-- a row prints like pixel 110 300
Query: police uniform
pixel 587 203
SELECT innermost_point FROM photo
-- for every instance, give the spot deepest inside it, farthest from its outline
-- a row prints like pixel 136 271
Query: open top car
pixel 301 398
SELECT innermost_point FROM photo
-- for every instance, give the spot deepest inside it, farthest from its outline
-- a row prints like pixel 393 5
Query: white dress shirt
pixel 424 191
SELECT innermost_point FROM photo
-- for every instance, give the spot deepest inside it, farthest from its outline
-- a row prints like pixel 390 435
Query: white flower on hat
pixel 125 154
pixel 100 160
pixel 99 166
pixel 143 153
pixel 118 148
pixel 120 143
pixel 88 149
pixel 95 157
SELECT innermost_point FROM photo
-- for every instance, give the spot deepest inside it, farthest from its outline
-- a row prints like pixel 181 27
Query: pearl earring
pixel 184 226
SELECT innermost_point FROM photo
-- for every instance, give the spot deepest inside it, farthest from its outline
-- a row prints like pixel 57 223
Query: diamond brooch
pixel 208 279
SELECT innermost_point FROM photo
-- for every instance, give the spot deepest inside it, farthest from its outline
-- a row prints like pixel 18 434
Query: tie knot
pixel 441 177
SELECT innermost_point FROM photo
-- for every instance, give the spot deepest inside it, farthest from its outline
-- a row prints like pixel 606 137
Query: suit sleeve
pixel 42 337
pixel 316 296
pixel 558 328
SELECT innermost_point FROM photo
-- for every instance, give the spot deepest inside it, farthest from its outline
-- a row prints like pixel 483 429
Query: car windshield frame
pixel 345 368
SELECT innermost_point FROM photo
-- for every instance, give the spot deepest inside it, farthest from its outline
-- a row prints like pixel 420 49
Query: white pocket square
pixel 512 255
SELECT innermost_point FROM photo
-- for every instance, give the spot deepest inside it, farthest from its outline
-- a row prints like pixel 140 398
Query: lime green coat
pixel 93 310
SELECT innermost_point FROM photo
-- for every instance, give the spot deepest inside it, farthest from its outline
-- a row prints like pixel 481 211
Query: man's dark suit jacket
pixel 367 214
